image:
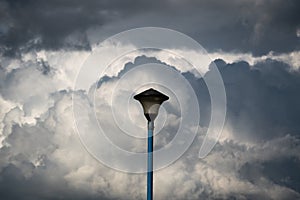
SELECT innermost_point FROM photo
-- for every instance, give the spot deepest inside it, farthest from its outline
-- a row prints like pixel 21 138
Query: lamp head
pixel 151 101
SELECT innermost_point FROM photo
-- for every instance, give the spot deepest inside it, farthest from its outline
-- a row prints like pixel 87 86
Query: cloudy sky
pixel 44 47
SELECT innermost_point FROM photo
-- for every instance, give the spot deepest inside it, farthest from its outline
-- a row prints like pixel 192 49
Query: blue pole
pixel 150 161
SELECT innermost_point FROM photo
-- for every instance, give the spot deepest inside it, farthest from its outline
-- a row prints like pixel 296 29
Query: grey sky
pixel 42 46
pixel 248 26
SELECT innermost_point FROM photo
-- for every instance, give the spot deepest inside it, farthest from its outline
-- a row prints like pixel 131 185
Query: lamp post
pixel 151 101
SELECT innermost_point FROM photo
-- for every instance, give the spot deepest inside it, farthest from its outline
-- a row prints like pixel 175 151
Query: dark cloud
pixel 14 185
pixel 52 24
pixel 249 26
pixel 244 26
pixel 283 171
pixel 45 160
pixel 41 156
pixel 262 99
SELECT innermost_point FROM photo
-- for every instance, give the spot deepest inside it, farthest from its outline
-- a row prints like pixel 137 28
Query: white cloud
pixel 39 138
pixel 291 58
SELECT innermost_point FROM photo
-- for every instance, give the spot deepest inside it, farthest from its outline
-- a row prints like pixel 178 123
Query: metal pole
pixel 150 161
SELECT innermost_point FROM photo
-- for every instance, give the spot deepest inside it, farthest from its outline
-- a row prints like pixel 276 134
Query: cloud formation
pixel 42 157
pixel 43 44
pixel 262 99
pixel 257 27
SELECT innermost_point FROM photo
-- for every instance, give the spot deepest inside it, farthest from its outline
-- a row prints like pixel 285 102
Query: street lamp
pixel 151 101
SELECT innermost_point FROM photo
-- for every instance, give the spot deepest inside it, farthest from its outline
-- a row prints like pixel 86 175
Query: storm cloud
pixel 257 27
pixel 42 156
pixel 254 44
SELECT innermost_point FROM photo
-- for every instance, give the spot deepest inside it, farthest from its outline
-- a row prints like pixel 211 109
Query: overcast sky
pixel 255 44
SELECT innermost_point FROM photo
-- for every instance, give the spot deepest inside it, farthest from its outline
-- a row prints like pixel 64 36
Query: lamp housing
pixel 151 100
